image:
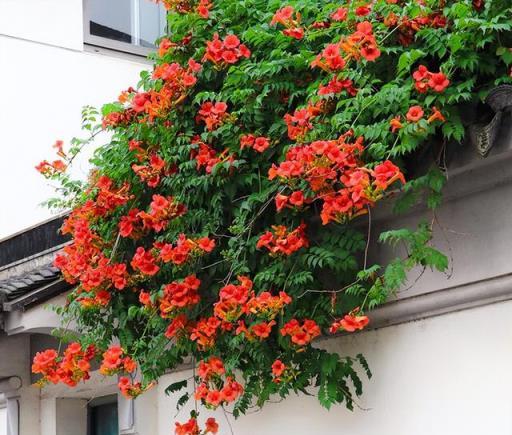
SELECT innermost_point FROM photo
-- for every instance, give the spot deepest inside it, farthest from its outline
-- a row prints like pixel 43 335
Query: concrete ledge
pixel 444 301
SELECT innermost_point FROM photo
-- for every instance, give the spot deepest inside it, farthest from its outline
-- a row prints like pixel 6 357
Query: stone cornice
pixel 444 301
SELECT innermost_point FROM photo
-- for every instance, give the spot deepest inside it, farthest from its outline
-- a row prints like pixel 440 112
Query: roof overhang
pixel 27 274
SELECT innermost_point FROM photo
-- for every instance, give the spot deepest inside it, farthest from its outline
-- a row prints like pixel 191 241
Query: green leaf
pixel 408 58
pixel 175 386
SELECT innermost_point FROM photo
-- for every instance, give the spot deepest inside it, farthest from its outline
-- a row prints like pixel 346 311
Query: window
pixel 102 416
pixel 125 25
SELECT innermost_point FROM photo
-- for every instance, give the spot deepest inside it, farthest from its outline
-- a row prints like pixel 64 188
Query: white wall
pixel 71 416
pixel 469 228
pixel 56 22
pixel 48 416
pixel 45 88
pixel 447 375
pixel 3 421
pixel 47 78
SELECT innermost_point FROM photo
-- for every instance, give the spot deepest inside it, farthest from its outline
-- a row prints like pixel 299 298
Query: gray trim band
pixel 444 301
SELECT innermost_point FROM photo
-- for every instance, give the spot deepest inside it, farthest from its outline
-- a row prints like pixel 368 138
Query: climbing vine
pixel 226 222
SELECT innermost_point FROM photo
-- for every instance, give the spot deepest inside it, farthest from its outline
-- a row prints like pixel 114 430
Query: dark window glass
pixel 136 22
pixel 103 419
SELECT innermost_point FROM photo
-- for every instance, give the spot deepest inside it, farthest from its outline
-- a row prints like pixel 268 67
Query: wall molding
pixel 448 300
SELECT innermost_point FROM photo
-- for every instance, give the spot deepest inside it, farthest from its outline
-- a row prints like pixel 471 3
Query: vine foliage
pixel 227 218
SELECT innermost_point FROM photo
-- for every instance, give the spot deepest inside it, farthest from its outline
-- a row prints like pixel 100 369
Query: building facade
pixel 440 351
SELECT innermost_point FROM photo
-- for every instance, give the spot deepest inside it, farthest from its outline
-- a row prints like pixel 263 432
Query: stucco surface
pixel 44 90
pixel 447 375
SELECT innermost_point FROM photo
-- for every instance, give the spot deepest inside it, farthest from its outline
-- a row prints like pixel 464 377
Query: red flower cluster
pixel 57 166
pixel 360 44
pixel 268 306
pixel 259 143
pixel 185 248
pixel 225 52
pixel 175 75
pixel 50 169
pixel 339 14
pixel 237 300
pixel 350 323
pixel 212 114
pixel 358 192
pixel 363 10
pixel 165 45
pixel 278 368
pixel 202 8
pixel 323 164
pixel 192 428
pixel 284 242
pixel 178 327
pixel 331 59
pixel 296 199
pixel 102 275
pixel 161 211
pixel 145 262
pixel 214 398
pixel 208 157
pixel 205 332
pixel 290 20
pixel 213 391
pixel 300 122
pixel 152 172
pixel 478 4
pixel 208 369
pixel 386 174
pixel 336 86
pixel 129 224
pixel 46 364
pixel 177 81
pixel 73 367
pixel 115 361
pixel 415 114
pixel 75 364
pixel 84 261
pixel 118 119
pixel 179 295
pixel 129 389
pixel 109 197
pixel 260 331
pixel 425 80
pixel 301 335
pixel 408 27
pixel 319 162
pixel 233 299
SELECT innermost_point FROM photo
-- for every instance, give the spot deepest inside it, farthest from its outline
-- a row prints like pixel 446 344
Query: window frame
pixel 111 44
